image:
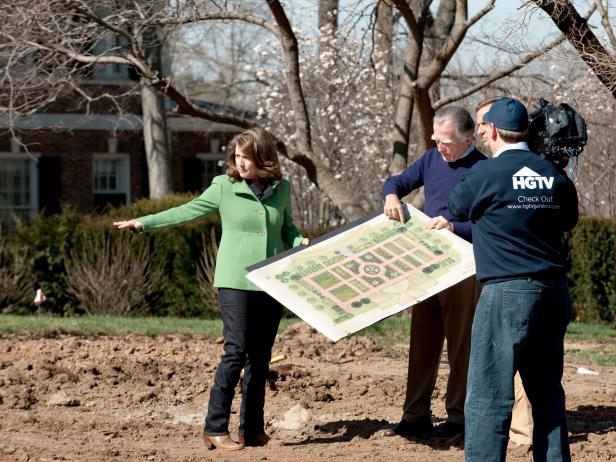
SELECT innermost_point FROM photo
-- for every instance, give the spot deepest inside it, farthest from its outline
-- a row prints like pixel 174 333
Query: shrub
pixel 177 251
pixel 186 290
pixel 206 268
pixel 112 274
pixel 593 269
pixel 144 207
pixel 48 241
pixel 16 282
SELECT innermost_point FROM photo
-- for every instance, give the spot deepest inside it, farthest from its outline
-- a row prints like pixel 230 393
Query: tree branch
pixel 409 18
pixel 481 13
pixel 223 16
pixel 84 10
pixel 499 75
pixel 578 33
pixel 605 22
pixel 460 27
pixel 294 87
pixel 186 107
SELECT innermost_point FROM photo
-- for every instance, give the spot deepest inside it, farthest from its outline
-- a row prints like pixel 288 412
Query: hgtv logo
pixel 526 178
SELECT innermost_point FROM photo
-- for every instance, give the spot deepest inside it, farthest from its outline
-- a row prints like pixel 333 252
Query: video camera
pixel 557 133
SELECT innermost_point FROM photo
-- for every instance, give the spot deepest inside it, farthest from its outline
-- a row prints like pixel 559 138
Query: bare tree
pixel 52 41
pixel 419 75
pixel 431 45
pixel 58 30
pixel 593 93
pixel 577 31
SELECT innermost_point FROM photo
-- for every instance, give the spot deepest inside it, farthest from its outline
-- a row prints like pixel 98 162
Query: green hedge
pixel 593 269
pixel 51 238
pixel 592 254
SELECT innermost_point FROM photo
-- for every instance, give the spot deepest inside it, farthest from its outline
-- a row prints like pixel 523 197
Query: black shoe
pixel 406 428
pixel 448 430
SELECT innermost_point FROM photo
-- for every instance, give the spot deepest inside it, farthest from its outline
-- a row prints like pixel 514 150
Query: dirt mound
pixel 144 399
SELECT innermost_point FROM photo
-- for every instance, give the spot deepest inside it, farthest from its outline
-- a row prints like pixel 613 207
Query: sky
pixel 509 23
pixel 510 30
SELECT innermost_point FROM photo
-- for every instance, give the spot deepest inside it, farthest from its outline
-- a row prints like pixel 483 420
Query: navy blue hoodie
pixel 519 205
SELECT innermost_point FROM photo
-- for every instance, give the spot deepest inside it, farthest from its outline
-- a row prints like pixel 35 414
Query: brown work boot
pixel 223 442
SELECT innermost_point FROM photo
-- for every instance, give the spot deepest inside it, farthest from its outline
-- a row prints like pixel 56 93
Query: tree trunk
pixel 436 35
pixel 383 45
pixel 328 19
pixel 157 150
pixel 404 107
pixel 155 136
pixel 328 33
pixel 406 95
pixel 423 105
pixel 340 193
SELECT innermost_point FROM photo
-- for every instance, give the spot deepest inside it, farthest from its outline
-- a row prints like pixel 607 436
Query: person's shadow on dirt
pixel 590 419
pixel 345 430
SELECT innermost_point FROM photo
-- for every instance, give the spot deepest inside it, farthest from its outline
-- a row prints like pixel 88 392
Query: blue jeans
pixel 250 320
pixel 520 326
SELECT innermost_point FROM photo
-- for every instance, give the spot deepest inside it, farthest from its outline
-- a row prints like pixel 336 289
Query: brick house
pixel 92 159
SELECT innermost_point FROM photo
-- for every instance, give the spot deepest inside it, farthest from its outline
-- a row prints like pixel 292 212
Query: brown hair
pixel 261 147
pixel 487 101
pixel 510 137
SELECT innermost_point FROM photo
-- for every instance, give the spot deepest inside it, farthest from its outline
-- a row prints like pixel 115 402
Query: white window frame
pixel 123 179
pixel 108 71
pixel 34 179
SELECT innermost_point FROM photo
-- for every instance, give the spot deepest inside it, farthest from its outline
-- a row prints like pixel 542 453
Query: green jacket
pixel 251 230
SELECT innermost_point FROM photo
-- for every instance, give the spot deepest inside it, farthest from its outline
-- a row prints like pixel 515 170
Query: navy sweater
pixel 519 205
pixel 438 178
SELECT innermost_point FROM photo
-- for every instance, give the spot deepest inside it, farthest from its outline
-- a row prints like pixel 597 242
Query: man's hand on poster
pixel 439 222
pixel 394 209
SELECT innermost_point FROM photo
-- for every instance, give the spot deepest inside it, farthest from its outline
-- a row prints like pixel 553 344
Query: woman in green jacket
pixel 254 204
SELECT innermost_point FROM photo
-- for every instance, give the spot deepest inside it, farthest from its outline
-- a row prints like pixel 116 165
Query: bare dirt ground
pixel 144 399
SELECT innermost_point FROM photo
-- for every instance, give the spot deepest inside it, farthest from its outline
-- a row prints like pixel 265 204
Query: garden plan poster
pixel 364 272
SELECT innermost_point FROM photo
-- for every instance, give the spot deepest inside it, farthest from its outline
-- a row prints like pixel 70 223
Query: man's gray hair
pixel 465 125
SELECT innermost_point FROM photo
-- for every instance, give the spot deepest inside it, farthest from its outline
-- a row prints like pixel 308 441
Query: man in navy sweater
pixel 519 205
pixel 448 314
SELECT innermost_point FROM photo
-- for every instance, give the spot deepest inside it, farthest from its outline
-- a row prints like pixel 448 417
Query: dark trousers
pixel 250 320
pixel 449 315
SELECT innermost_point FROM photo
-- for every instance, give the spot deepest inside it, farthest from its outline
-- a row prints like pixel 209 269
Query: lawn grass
pixel 114 325
pixel 590 332
pixel 601 335
pixel 395 331
pixel 390 332
pixel 603 355
pixel 108 325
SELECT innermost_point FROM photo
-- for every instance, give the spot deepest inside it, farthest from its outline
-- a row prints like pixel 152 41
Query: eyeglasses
pixel 445 142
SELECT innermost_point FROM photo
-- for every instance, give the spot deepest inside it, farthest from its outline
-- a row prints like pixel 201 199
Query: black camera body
pixel 557 133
